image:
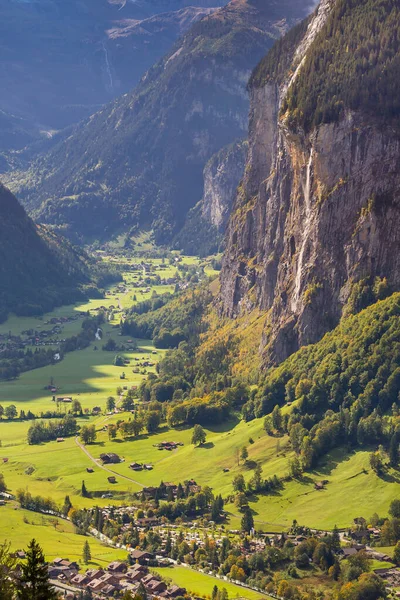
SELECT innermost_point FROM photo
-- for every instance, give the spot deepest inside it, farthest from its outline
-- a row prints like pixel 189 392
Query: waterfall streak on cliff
pixel 307 225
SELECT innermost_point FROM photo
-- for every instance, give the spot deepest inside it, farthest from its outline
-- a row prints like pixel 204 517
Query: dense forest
pixel 344 390
pixel 354 64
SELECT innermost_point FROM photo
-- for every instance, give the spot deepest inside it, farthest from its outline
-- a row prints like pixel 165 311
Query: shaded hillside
pixel 38 270
pixel 316 220
pixel 139 161
pixel 94 50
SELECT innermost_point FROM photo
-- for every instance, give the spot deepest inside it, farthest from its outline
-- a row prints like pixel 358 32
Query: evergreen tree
pixel 7 564
pixel 394 449
pixel 84 492
pixel 67 506
pixel 247 522
pixel 335 542
pixel 86 554
pixel 141 592
pixel 33 581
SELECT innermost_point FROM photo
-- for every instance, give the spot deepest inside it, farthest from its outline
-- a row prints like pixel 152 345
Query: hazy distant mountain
pixel 61 60
pixel 139 161
pixel 38 269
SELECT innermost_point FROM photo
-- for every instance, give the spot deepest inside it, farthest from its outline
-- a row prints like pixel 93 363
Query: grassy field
pixel 200 584
pixel 90 376
pixel 60 468
pixel 56 536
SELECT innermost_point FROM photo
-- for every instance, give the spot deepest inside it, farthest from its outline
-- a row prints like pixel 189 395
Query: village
pixel 137 572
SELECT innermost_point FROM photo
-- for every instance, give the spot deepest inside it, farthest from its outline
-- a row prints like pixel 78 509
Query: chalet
pixel 109 579
pixel 346 552
pixel 63 562
pixel 156 586
pixel 80 580
pixel 96 585
pixel 175 591
pixel 60 440
pixel 108 590
pixel 141 556
pixel 117 567
pixel 136 466
pixel 111 479
pixel 64 400
pixel 148 467
pixel 150 491
pixel 92 574
pixel 135 574
pixel 96 410
pixel 110 458
pixel 90 470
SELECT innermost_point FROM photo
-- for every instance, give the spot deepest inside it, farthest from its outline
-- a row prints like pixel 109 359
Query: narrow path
pixel 92 458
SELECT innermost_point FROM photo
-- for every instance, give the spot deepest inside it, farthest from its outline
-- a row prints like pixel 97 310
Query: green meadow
pixel 200 584
pixel 55 535
pixel 57 469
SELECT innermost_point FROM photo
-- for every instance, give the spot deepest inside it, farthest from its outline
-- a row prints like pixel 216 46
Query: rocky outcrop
pixel 222 175
pixel 315 213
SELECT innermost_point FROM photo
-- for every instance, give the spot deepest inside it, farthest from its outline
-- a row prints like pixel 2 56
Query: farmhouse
pixel 136 466
pixel 141 556
pixel 110 458
pixel 117 567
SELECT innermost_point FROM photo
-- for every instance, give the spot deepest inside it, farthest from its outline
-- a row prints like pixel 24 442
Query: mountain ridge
pixel 312 231
pixel 139 161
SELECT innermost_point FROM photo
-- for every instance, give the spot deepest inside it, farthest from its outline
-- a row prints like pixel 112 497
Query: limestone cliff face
pixel 315 213
pixel 222 175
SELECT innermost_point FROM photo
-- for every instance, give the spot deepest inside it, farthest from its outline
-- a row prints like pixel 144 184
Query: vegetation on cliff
pixel 341 388
pixel 354 63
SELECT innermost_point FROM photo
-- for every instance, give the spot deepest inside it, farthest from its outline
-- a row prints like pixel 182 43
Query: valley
pixel 56 469
pixel 200 300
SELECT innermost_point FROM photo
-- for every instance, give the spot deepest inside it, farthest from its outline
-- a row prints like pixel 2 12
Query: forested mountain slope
pixel 38 270
pixel 139 161
pixel 316 221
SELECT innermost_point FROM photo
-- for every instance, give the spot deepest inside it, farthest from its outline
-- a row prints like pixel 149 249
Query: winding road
pixel 92 458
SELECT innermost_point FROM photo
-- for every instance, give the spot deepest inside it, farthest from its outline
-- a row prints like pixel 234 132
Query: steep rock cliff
pixel 317 211
pixel 205 225
pixel 222 175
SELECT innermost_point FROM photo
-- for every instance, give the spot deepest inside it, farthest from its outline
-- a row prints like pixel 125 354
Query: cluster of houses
pixel 33 337
pixel 168 445
pixel 140 467
pixel 115 579
pixel 191 485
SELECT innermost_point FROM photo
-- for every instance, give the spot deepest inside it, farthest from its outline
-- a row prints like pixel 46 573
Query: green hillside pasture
pixel 200 584
pixel 87 375
pixel 20 526
pixel 58 470
pixel 205 464
pixel 353 489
